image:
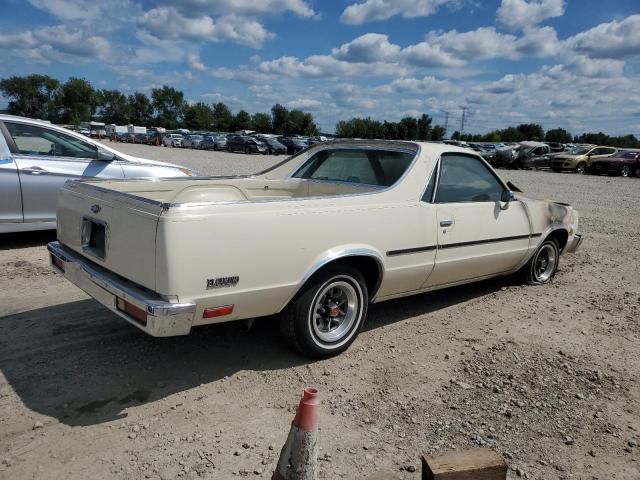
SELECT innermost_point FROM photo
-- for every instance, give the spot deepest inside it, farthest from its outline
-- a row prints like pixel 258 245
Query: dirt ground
pixel 547 376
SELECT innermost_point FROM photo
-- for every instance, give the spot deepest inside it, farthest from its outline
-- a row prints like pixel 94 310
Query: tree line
pixel 76 101
pixel 408 128
pixel 535 132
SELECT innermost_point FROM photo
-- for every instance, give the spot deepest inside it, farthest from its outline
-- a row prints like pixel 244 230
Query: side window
pixel 36 140
pixel 371 167
pixel 428 193
pixel 466 179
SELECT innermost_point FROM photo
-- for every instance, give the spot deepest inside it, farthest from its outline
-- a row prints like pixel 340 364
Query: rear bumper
pixel 575 243
pixel 163 318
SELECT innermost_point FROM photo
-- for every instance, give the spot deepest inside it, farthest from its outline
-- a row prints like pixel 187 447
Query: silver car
pixel 37 158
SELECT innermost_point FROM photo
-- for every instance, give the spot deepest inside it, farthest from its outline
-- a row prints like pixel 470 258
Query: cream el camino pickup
pixel 314 239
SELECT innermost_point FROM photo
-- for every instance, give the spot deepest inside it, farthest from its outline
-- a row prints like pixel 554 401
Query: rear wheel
pixel 327 314
pixel 247 150
pixel 637 171
pixel 544 264
pixel 581 168
pixel 625 171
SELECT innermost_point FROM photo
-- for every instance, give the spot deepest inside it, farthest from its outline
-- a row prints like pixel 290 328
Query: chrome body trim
pixel 341 254
pixel 164 319
pixel 574 244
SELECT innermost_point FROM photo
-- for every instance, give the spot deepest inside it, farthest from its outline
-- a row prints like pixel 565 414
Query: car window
pixel 466 179
pixel 371 167
pixel 36 140
pixel 428 193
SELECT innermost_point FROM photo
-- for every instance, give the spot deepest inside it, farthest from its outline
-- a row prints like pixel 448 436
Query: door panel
pixel 46 158
pixel 42 178
pixel 482 240
pixel 10 201
pixel 478 234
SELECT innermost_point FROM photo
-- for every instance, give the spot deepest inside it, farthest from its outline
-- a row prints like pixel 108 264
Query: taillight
pixel 217 311
pixel 130 309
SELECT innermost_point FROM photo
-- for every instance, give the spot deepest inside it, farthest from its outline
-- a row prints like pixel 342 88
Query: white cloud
pixel 59 43
pixel 526 13
pixel 609 40
pixel 168 23
pixel 304 104
pixel 371 47
pixel 372 10
pixel 301 8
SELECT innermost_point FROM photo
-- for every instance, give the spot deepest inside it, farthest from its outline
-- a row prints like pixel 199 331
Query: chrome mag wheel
pixel 335 311
pixel 544 265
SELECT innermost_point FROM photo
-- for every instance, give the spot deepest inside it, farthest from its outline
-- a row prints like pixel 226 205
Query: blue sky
pixel 568 63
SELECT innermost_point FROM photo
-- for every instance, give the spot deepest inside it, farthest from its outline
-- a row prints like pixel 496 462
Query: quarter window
pixel 35 140
pixel 466 179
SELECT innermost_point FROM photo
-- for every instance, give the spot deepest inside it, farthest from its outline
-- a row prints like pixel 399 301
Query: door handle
pixel 446 223
pixel 35 171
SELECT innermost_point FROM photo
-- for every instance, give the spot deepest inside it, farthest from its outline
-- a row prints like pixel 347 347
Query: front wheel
pixel 544 264
pixel 581 168
pixel 625 171
pixel 327 314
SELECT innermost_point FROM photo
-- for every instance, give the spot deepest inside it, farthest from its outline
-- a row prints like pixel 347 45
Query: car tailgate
pixel 116 230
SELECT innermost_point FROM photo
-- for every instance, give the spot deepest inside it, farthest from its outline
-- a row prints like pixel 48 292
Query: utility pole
pixel 446 123
pixel 464 114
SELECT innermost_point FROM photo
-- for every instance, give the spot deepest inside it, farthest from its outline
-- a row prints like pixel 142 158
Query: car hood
pixel 569 157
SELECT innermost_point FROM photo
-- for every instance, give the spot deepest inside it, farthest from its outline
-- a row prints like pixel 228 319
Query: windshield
pixel 364 166
pixel 579 151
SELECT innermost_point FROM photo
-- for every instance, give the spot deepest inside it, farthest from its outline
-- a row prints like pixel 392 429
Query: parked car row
pixel 267 144
pixel 593 159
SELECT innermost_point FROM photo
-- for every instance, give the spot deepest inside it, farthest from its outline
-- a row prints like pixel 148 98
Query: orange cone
pixel 299 458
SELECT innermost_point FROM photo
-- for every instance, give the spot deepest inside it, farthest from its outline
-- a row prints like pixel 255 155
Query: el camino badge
pixel 222 282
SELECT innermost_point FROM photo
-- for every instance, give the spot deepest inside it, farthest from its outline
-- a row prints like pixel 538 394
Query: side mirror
pixel 105 156
pixel 507 197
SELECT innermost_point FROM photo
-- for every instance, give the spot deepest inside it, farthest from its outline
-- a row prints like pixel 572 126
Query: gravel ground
pixel 547 376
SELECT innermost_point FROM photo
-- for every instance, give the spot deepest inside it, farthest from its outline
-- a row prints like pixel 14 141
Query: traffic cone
pixel 299 457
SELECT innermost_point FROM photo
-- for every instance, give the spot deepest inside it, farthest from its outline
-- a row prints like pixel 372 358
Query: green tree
pixel 424 127
pixel 140 109
pixel 241 121
pixel 559 135
pixel 261 122
pixel 30 96
pixel 113 107
pixel 198 116
pixel 222 117
pixel 410 125
pixel 437 133
pixel 76 101
pixel 301 123
pixel 279 119
pixel 169 105
pixel 531 131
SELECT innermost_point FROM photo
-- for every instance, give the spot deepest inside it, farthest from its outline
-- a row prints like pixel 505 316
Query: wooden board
pixel 475 464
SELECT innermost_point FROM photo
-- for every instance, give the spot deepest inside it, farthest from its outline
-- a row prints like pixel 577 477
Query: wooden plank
pixel 475 464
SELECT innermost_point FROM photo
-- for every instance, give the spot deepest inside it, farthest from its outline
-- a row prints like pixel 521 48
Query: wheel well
pixel 561 236
pixel 369 268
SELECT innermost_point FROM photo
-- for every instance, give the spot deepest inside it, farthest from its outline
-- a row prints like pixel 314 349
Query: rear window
pixel 364 166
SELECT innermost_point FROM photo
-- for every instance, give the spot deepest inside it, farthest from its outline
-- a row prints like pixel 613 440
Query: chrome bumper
pixel 164 319
pixel 574 244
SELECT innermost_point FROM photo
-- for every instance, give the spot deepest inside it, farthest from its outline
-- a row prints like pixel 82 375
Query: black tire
pixel 581 168
pixel 625 171
pixel 540 269
pixel 247 150
pixel 305 334
pixel 637 172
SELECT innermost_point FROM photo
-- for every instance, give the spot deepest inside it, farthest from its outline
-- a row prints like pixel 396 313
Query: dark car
pixel 154 138
pixel 274 147
pixel 246 144
pixel 124 137
pixel 556 147
pixel 141 138
pixel 625 163
pixel 293 144
pixel 521 155
pixel 214 142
